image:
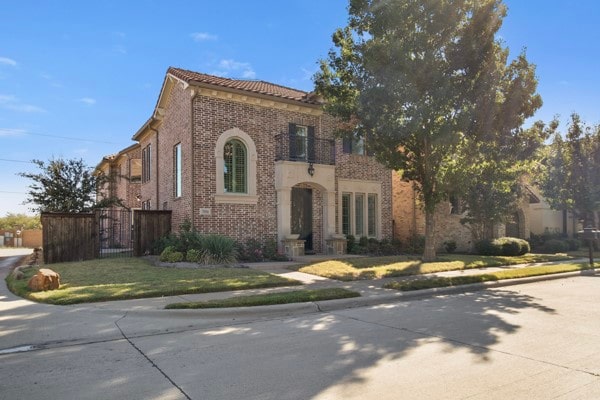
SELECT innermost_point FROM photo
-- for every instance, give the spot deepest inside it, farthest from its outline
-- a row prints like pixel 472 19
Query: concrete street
pixel 533 341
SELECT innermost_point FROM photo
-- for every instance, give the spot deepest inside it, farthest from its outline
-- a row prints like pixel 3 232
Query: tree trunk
pixel 429 254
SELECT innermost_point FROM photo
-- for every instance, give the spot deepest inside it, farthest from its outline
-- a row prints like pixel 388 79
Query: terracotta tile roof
pixel 254 86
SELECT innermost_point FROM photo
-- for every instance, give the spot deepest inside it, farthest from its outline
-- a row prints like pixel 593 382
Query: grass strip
pixel 296 296
pixel 134 278
pixel 351 269
pixel 436 282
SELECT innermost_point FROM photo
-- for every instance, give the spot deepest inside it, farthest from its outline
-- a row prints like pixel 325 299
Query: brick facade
pixel 198 117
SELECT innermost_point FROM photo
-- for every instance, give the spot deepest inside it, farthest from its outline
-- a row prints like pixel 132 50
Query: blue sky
pixel 78 78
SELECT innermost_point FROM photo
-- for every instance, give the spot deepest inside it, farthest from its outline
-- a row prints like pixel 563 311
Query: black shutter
pixel 347 145
pixel 311 144
pixel 292 139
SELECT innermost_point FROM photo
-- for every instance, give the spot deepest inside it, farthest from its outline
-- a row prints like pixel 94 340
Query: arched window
pixel 235 169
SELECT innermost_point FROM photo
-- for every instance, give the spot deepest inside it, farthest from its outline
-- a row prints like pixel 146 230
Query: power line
pixel 18 161
pixel 19 132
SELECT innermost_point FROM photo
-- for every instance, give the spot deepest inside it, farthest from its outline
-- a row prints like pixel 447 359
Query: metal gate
pixel 115 231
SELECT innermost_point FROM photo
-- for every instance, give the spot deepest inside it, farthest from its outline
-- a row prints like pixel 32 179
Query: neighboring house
pixel 251 159
pixel 532 216
pixel 125 172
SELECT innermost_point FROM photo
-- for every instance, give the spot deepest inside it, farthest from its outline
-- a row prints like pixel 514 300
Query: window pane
pixel 301 139
pixel 358 146
pixel 346 213
pixel 234 157
pixel 372 214
pixel 177 170
pixel 359 213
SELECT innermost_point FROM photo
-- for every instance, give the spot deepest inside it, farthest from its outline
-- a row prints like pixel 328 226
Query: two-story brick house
pixel 251 159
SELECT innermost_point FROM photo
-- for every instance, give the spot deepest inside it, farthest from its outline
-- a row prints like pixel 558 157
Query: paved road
pixel 533 341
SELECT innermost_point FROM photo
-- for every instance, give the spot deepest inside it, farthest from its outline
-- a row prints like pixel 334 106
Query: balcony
pixel 304 149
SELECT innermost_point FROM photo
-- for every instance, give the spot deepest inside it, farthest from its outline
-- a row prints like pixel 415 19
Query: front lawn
pixel 393 266
pixel 130 278
pixel 428 283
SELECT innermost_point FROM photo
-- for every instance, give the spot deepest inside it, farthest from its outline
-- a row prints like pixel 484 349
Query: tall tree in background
pixel 570 177
pixel 65 186
pixel 423 80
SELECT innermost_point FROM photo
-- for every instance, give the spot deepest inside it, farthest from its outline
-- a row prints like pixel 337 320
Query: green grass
pixel 297 296
pixel 131 278
pixel 428 283
pixel 393 266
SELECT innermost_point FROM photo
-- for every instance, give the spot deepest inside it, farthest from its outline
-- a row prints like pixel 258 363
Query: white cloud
pixel 119 49
pixel 12 103
pixel 12 132
pixel 231 67
pixel 87 100
pixel 203 36
pixel 8 61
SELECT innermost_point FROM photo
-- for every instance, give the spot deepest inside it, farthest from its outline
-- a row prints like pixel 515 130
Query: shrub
pixel 194 255
pixel 574 244
pixel 170 240
pixel 485 247
pixel 363 241
pixel 450 246
pixel 555 246
pixel 164 255
pixel 174 257
pixel 218 249
pixel 506 246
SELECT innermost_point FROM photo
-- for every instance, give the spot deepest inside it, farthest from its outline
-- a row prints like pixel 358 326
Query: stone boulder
pixel 45 279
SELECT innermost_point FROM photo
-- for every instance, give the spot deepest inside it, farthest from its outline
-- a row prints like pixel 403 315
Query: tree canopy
pixel 65 186
pixel 20 221
pixel 423 81
pixel 570 177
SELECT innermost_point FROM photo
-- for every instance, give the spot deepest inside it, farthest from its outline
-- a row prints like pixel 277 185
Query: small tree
pixel 66 186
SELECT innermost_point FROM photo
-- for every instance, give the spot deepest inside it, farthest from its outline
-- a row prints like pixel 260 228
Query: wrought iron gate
pixel 115 231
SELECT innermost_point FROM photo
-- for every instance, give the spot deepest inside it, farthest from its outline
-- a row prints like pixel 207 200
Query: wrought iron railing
pixel 307 149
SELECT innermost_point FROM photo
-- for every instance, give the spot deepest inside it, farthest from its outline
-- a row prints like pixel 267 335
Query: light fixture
pixel 311 169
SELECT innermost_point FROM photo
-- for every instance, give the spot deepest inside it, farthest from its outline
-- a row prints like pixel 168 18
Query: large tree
pixel 65 186
pixel 493 177
pixel 421 80
pixel 570 177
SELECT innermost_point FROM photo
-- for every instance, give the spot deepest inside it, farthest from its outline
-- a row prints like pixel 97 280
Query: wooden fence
pixel 148 227
pixel 69 237
pixel 76 237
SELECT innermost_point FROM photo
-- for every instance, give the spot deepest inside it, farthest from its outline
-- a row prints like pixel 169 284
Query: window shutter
pixel 311 143
pixel 347 145
pixel 292 140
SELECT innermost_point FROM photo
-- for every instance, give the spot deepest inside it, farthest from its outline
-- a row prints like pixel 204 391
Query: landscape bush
pixel 555 246
pixel 170 254
pixel 253 250
pixel 450 246
pixel 505 246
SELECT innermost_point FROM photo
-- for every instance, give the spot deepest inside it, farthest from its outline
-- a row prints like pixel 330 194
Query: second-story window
pixel 177 170
pixel 354 146
pixel 147 163
pixel 235 167
pixel 302 143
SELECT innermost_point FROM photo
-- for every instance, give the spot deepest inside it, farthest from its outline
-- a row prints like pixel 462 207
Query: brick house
pixel 251 159
pixel 125 170
pixel 532 216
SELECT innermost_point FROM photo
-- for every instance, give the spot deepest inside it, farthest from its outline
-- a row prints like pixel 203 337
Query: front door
pixel 302 216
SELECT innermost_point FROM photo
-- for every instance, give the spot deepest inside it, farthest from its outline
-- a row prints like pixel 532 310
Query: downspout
pixel 192 144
